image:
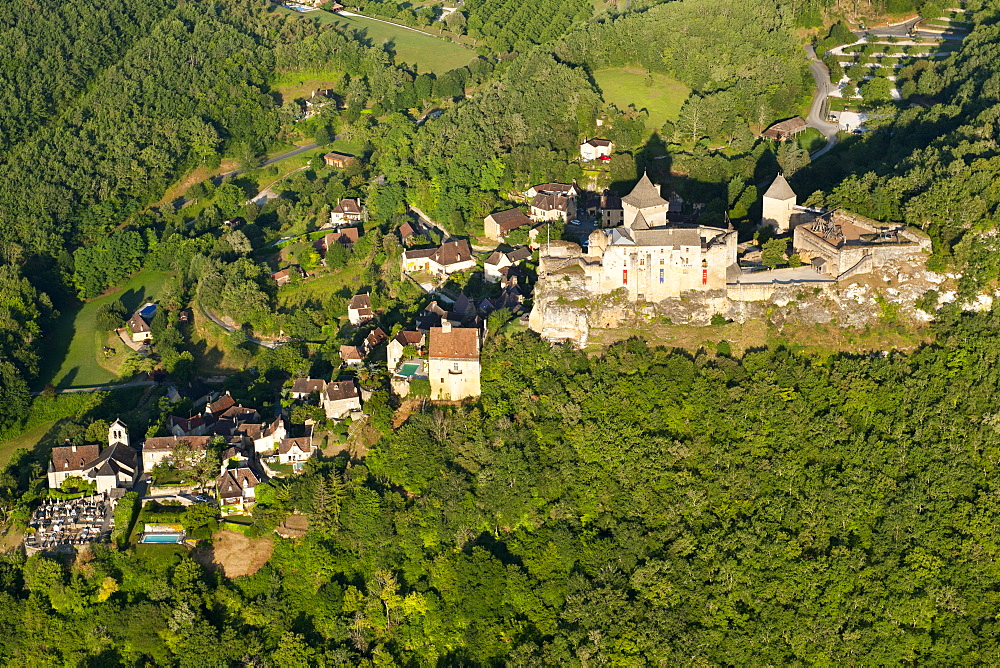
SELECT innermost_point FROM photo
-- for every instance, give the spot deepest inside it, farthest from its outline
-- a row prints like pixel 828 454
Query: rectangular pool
pixel 409 369
pixel 162 538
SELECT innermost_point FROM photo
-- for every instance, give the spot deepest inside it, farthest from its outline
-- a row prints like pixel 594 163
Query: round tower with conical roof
pixel 779 205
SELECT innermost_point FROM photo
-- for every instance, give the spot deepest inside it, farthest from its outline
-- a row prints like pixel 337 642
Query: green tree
pixel 772 253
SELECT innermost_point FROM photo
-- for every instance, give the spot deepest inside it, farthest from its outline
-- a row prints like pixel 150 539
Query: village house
pixel 220 405
pixel 785 130
pixel 409 230
pixel 449 258
pixel 157 449
pixel 496 262
pixel 139 329
pixel 595 149
pixel 498 225
pixel 374 338
pixel 340 398
pixel 402 340
pixel 303 388
pixel 351 355
pixel 359 311
pixel 612 213
pixel 295 450
pixel 338 160
pixel 237 488
pixel 265 437
pixel 192 426
pixel 567 189
pixel 346 237
pixel 116 466
pixel 284 276
pixel 553 206
pixel 430 317
pixel 347 212
pixel 454 369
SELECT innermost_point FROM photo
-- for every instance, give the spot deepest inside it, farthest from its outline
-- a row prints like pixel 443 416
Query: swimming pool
pixel 162 538
pixel 410 369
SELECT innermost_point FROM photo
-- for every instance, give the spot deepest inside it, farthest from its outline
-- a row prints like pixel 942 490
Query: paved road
pixel 283 156
pixel 895 30
pixel 816 118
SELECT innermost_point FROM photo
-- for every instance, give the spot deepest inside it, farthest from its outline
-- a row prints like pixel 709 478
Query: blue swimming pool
pixel 409 369
pixel 162 538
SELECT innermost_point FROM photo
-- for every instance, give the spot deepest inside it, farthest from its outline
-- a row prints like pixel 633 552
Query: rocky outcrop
pixel 565 311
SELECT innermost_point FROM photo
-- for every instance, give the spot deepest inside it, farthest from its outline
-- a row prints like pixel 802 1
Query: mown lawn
pixel 429 53
pixel 662 99
pixel 72 349
pixel 811 139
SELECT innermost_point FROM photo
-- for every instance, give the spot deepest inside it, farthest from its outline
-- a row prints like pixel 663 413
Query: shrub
pixel 723 348
pixel 718 320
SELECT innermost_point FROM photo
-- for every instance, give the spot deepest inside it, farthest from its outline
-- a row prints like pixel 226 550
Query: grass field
pixel 429 53
pixel 72 349
pixel 623 86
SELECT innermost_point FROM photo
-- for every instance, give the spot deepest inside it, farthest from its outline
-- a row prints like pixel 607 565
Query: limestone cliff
pixel 564 310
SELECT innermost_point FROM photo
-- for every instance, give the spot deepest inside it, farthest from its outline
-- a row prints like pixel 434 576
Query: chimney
pixel 445 326
pixel 74 447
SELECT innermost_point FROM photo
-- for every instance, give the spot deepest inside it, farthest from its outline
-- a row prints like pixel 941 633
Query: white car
pixel 574 222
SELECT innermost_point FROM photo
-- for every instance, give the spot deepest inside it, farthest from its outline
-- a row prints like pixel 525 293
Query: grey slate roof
pixel 669 236
pixel 645 194
pixel 780 189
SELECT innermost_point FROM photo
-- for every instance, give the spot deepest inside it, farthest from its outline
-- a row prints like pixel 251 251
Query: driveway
pixel 817 112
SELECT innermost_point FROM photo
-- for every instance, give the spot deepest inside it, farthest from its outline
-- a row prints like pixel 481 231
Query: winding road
pixel 817 112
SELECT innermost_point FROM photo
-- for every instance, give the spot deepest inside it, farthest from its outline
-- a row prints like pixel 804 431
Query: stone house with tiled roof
pixel 347 212
pixel 594 149
pixel 351 355
pixel 294 450
pixel 553 206
pixel 340 398
pixel 140 329
pixel 403 339
pixel 448 258
pixel 454 369
pixel 302 388
pixel 157 449
pixel 359 310
pixel 498 225
pixel 237 488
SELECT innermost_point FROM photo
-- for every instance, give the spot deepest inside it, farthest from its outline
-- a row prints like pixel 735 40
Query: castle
pixel 692 271
pixel 646 255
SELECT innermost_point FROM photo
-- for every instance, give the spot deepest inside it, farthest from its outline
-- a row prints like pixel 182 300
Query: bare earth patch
pixel 235 554
pixel 294 526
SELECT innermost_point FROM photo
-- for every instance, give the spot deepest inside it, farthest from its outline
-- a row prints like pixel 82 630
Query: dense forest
pixel 642 506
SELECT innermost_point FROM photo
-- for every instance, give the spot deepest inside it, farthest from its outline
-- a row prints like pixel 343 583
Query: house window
pixel 661 275
pixel 454 367
pixel 642 262
pixel 624 276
